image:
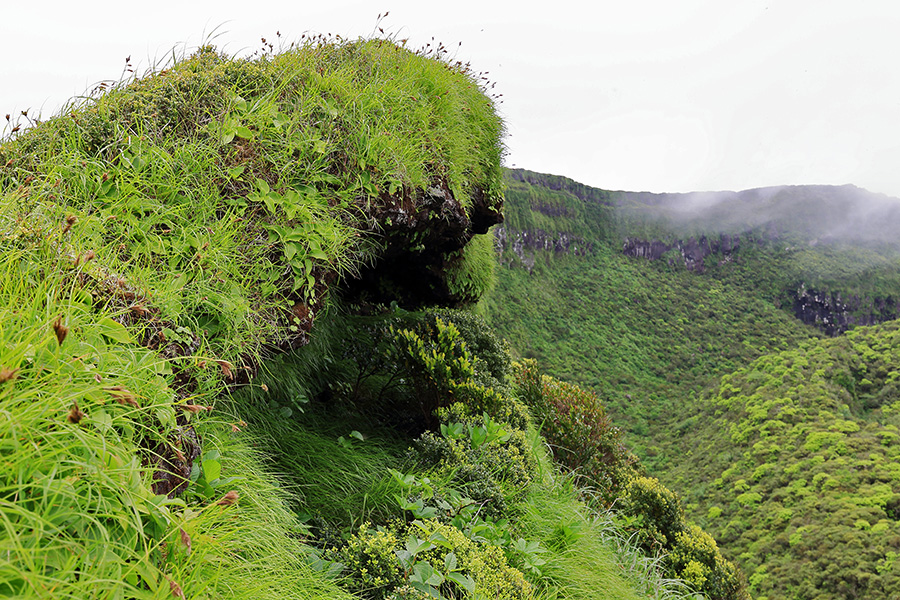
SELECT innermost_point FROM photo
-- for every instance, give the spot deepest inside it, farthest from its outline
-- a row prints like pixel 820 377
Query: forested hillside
pixel 653 300
pixel 798 466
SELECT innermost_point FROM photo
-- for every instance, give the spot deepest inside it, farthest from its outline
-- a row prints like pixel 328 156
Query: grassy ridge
pixel 159 240
pixel 252 181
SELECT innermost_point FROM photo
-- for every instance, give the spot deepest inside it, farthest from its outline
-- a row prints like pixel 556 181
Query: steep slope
pixel 793 463
pixel 159 242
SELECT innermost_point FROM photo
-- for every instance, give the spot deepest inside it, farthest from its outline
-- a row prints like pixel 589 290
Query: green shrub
pixel 493 468
pixel 695 558
pixel 435 360
pixel 427 557
pixel 436 363
pixel 578 429
pixel 370 562
pixel 484 563
pixel 407 592
pixel 492 362
pixel 689 552
pixel 658 507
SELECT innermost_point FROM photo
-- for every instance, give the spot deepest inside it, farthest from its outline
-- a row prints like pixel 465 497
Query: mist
pixel 819 213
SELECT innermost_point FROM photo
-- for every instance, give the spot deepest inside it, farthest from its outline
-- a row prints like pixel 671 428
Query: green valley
pixel 704 322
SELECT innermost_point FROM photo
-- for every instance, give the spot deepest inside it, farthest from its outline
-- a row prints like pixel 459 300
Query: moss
pixel 470 274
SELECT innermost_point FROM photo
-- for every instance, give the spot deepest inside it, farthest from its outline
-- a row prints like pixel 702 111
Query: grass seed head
pixel 61 330
pixel 75 414
pixel 122 396
pixel 7 374
pixel 228 499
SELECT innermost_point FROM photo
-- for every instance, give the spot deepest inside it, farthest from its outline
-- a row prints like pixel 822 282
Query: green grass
pixel 255 549
pixel 587 554
pixel 77 421
pixel 336 480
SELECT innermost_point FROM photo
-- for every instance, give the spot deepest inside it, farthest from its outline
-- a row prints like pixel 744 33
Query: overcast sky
pixel 658 95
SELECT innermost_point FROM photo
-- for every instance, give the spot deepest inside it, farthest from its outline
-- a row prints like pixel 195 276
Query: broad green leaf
pixel 317 253
pixel 212 469
pixel 478 435
pixel 464 581
pixel 438 538
pixel 114 330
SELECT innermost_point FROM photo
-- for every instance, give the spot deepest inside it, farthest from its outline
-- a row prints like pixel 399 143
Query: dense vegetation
pixel 211 384
pixel 806 492
pixel 788 459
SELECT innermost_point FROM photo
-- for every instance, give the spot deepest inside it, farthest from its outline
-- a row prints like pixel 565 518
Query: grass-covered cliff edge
pixel 222 374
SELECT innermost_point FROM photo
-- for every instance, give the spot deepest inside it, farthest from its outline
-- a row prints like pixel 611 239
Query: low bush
pixel 659 510
pixel 578 430
pixel 696 559
pixel 491 465
pixel 427 557
pixel 689 553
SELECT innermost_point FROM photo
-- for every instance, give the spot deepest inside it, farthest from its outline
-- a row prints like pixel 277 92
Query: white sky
pixel 659 95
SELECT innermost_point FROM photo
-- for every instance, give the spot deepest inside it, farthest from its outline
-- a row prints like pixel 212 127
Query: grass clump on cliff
pixel 90 434
pixel 227 187
pixel 160 240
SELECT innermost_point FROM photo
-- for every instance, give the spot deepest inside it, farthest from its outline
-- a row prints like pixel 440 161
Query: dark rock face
pixel 483 215
pixel 834 315
pixel 419 234
pixel 525 243
pixel 651 250
pixel 693 251
pixel 173 461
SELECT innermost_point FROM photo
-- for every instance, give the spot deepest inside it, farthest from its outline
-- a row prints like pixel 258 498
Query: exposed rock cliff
pixel 421 237
pixel 834 314
pixel 693 251
pixel 524 244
